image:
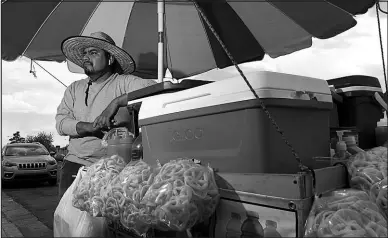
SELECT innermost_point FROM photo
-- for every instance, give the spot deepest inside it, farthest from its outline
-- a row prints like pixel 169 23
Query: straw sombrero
pixel 74 46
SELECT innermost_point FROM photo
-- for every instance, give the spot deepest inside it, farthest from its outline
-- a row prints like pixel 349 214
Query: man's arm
pixel 66 123
pixel 126 85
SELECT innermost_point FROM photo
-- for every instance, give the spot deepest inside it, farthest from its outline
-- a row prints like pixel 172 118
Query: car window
pixel 25 151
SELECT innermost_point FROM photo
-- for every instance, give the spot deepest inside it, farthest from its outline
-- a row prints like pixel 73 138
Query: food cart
pixel 221 124
pixel 261 138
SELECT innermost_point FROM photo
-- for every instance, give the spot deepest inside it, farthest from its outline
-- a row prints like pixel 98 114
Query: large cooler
pixel 359 107
pixel 222 123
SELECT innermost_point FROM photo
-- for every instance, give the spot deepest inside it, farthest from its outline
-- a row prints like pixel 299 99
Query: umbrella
pixel 187 45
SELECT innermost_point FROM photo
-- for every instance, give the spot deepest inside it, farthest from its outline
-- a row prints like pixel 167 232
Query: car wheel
pixel 52 182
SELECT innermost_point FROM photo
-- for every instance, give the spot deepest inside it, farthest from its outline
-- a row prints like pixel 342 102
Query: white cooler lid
pixel 265 83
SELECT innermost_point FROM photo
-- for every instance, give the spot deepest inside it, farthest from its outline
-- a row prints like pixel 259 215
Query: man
pixel 89 105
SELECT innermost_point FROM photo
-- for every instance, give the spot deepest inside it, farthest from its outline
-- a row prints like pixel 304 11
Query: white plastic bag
pixel 71 222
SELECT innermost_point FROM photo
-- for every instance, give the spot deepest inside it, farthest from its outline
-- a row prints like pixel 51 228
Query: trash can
pixel 359 108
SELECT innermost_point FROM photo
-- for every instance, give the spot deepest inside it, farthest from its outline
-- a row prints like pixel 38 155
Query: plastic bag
pixel 368 172
pixel 124 193
pixel 87 195
pixel 182 195
pixel 378 194
pixel 71 222
pixel 367 168
pixel 345 213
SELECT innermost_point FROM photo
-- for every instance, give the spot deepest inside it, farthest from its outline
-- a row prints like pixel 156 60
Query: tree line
pixel 46 139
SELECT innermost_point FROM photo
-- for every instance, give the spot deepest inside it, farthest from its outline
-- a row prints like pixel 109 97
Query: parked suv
pixel 27 161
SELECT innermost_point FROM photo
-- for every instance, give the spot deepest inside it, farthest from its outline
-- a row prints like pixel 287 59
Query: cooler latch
pixel 304 95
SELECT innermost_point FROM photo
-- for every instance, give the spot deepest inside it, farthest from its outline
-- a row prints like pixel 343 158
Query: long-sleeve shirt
pixel 84 150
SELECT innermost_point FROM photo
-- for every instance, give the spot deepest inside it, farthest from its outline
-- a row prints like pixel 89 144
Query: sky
pixel 29 104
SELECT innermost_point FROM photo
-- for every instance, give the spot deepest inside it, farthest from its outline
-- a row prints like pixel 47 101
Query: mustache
pixel 86 62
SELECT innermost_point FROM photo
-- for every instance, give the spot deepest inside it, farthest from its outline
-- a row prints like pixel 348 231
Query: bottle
pixel 341 149
pixel 251 227
pixel 270 229
pixel 233 227
pixel 137 148
pixel 351 145
pixel 382 131
pixel 119 142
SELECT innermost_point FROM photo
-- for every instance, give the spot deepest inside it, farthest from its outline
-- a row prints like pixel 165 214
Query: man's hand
pixel 106 118
pixel 87 129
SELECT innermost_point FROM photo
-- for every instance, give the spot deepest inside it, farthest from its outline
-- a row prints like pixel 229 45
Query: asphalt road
pixel 40 199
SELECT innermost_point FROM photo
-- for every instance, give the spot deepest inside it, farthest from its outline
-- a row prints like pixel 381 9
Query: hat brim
pixel 73 48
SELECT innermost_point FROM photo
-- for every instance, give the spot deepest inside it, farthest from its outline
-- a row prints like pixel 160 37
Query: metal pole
pixel 161 39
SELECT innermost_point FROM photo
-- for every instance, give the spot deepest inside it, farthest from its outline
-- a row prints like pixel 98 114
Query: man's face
pixel 94 60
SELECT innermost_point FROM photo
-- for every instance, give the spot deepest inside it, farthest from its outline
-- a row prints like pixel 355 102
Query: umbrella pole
pixel 161 39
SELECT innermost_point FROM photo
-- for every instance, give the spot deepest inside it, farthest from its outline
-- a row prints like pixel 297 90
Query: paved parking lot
pixel 27 209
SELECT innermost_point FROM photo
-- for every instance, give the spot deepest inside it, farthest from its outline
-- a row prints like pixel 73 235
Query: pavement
pixel 16 221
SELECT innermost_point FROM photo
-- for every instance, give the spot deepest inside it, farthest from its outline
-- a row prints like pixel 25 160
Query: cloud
pixel 29 124
pixel 13 103
pixel 38 101
pixel 22 92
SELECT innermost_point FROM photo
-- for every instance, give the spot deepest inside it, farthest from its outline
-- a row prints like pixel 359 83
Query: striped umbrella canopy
pixel 249 29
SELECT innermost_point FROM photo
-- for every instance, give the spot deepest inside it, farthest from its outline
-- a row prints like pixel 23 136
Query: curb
pixel 19 222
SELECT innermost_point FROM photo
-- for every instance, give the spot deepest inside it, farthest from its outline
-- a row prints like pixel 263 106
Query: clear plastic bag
pixel 182 195
pixel 172 197
pixel 378 194
pixel 125 193
pixel 88 192
pixel 367 168
pixel 368 172
pixel 345 213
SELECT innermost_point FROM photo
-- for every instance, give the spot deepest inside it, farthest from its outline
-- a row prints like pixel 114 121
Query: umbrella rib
pixel 168 52
pixel 207 36
pixel 36 33
pixel 90 17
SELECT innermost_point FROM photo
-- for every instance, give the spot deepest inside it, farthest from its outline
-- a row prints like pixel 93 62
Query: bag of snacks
pixel 378 194
pixel 183 194
pixel 368 172
pixel 345 213
pixel 124 194
pixel 87 192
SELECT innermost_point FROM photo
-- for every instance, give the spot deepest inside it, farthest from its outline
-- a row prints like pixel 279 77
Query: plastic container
pixel 341 148
pixel 119 141
pixel 137 148
pixel 223 124
pixel 341 152
pixel 251 227
pixel 233 227
pixel 359 107
pixel 382 131
pixel 351 145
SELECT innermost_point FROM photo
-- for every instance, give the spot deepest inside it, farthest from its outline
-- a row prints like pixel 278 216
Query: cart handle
pixel 381 101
